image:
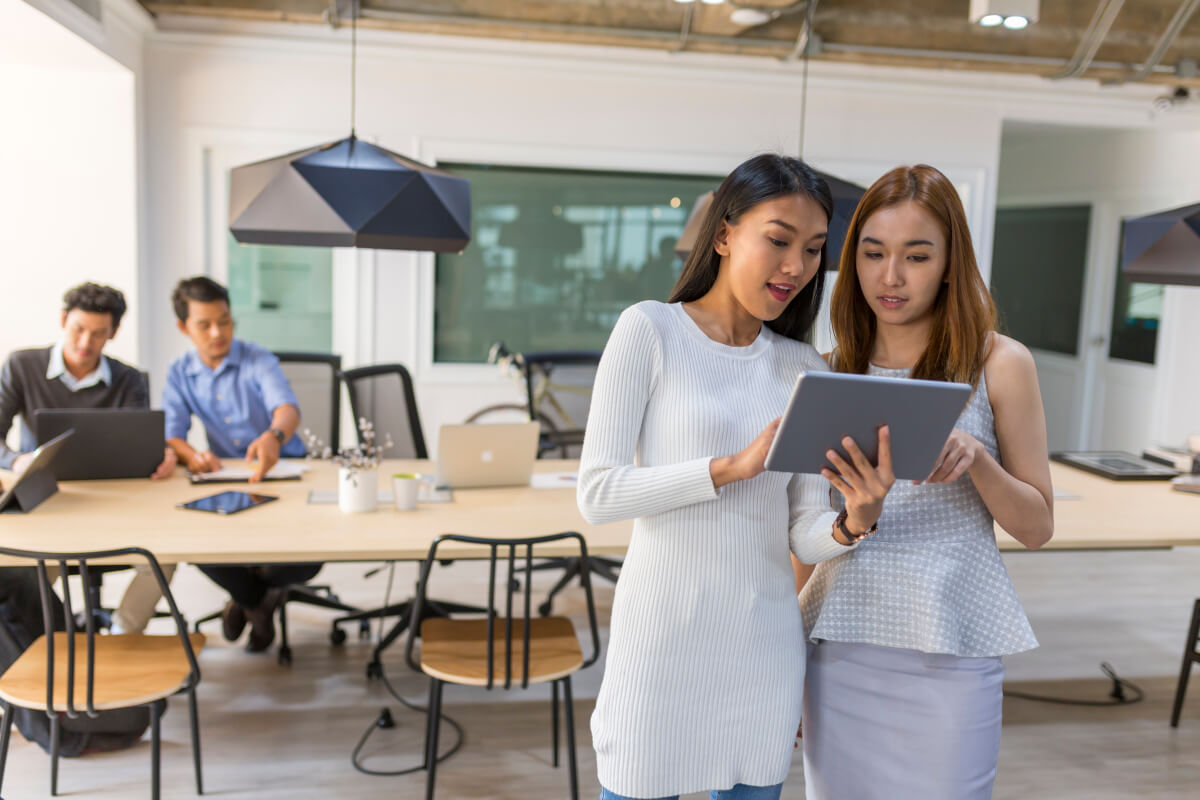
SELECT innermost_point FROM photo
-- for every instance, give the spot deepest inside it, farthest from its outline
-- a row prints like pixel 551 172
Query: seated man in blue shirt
pixel 248 409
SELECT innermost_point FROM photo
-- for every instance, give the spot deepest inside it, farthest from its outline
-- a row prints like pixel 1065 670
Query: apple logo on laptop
pixel 486 456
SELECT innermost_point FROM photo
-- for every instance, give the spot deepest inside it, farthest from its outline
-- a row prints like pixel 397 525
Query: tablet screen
pixel 228 502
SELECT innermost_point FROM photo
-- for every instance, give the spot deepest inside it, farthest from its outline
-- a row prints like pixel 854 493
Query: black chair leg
pixel 571 573
pixel 54 740
pixel 431 735
pixel 568 706
pixel 285 650
pixel 1190 656
pixel 4 734
pixel 156 710
pixel 194 718
pixel 554 721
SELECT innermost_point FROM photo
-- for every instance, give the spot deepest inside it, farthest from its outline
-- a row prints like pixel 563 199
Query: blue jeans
pixel 739 792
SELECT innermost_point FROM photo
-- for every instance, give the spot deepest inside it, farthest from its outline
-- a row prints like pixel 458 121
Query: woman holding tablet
pixel 700 689
pixel 903 695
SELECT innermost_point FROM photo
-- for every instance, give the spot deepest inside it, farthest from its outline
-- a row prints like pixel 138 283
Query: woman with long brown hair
pixel 701 689
pixel 903 693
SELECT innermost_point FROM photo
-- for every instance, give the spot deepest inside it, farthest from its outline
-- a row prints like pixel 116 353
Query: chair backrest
pixel 519 555
pixel 571 375
pixel 315 378
pixel 70 563
pixel 383 395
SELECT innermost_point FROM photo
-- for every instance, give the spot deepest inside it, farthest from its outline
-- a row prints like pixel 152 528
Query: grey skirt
pixel 881 722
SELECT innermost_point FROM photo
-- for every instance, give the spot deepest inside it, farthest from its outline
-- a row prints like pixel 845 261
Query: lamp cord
pixel 385 719
pixel 353 60
pixel 808 23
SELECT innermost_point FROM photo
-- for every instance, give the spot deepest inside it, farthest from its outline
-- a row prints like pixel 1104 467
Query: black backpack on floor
pixel 20 625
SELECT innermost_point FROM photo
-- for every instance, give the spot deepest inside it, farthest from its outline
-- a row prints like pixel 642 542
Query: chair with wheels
pixel 502 649
pixel 316 380
pixel 70 673
pixel 383 395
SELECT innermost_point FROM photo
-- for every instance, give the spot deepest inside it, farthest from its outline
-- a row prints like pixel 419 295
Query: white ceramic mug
pixel 405 488
pixel 358 491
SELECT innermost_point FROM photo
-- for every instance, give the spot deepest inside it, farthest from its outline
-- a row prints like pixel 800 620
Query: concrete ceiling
pixel 918 33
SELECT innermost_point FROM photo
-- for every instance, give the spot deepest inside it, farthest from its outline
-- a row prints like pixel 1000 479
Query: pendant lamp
pixel 845 194
pixel 349 193
pixel 1163 247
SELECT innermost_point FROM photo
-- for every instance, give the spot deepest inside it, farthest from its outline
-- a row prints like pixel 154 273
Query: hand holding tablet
pixel 827 408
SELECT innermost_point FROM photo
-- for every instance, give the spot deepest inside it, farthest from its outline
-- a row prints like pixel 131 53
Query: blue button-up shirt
pixel 235 401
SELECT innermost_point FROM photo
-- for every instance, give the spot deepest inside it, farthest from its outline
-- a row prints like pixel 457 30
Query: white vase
pixel 358 490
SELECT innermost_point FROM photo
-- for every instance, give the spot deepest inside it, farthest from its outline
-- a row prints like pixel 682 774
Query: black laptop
pixel 108 442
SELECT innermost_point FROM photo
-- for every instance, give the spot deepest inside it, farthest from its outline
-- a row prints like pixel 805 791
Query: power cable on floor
pixel 385 719
pixel 1117 696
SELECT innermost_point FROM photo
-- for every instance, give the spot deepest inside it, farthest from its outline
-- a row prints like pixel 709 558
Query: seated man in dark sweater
pixel 249 411
pixel 75 373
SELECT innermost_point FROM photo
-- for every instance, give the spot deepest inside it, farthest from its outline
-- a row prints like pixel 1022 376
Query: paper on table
pixel 385 497
pixel 283 470
pixel 553 480
pixel 1060 494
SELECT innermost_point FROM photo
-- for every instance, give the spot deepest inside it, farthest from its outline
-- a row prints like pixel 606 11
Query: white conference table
pixel 99 515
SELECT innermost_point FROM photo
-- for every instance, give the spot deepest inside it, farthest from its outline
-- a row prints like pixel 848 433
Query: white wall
pixel 68 161
pixel 443 98
pixel 1121 174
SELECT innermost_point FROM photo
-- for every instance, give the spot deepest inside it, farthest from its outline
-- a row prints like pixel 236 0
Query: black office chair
pixel 501 649
pixel 558 388
pixel 383 395
pixel 1191 655
pixel 117 671
pixel 315 379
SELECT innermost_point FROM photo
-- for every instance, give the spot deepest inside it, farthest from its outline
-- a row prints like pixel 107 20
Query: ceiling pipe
pixel 685 29
pixel 1093 37
pixel 805 32
pixel 1174 28
pixel 670 40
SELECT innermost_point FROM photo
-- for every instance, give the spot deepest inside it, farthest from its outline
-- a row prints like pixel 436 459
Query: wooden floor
pixel 273 732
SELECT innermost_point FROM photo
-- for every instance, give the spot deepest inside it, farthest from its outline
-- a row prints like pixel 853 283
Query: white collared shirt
pixel 57 368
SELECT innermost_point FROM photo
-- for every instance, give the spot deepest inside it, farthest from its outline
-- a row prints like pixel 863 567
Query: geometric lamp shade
pixel 1163 247
pixel 349 193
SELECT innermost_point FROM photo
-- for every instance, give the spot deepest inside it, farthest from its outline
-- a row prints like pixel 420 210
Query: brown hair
pixel 755 181
pixel 964 314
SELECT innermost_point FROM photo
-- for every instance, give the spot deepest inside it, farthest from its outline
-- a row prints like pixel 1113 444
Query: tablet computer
pixel 827 406
pixel 108 442
pixel 37 482
pixel 228 502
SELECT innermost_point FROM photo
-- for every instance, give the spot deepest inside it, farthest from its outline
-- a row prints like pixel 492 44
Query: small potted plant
pixel 358 484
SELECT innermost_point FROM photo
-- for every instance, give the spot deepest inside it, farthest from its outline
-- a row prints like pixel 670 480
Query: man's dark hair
pixel 96 299
pixel 198 290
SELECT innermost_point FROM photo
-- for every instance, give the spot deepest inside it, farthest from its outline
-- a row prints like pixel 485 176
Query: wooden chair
pixel 1191 655
pixel 107 672
pixel 482 652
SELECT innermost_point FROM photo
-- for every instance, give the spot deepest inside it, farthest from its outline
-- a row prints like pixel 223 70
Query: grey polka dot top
pixel 931 579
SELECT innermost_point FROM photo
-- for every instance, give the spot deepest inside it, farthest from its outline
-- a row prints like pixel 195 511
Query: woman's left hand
pixel 960 452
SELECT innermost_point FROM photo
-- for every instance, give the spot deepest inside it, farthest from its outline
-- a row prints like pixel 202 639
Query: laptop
pixel 108 442
pixel 478 456
pixel 37 482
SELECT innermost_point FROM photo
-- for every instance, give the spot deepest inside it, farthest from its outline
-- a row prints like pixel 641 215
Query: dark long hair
pixel 756 180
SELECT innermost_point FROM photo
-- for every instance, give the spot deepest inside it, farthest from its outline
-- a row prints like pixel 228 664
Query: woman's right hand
pixel 864 486
pixel 747 464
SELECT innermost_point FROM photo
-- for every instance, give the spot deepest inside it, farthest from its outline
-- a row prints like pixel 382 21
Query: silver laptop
pixel 477 456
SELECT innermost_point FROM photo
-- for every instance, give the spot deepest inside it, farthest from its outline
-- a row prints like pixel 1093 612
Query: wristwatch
pixel 853 538
pixel 278 434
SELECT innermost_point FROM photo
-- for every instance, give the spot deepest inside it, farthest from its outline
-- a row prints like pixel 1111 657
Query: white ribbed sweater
pixel 705 665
